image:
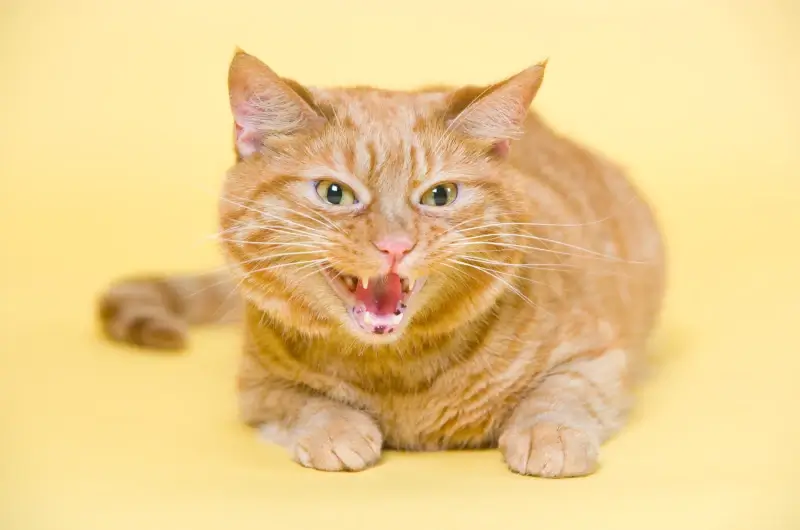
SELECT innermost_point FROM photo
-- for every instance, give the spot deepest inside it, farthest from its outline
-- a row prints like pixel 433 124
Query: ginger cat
pixel 420 270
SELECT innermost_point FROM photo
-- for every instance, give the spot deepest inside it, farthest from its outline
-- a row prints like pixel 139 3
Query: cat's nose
pixel 395 247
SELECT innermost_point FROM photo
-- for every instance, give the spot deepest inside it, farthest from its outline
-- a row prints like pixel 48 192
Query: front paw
pixel 337 440
pixel 549 449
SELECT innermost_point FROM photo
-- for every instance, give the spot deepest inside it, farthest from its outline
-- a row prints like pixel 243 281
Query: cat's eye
pixel 336 193
pixel 440 195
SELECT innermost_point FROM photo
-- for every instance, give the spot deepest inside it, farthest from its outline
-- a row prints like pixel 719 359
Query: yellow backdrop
pixel 114 135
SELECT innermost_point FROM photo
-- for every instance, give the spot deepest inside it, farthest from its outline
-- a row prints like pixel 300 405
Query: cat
pixel 418 270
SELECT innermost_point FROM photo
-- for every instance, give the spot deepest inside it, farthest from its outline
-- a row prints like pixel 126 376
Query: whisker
pixel 515 247
pixel 500 279
pixel 593 255
pixel 546 240
pixel 306 267
pixel 550 225
pixel 276 244
pixel 541 266
pixel 450 229
pixel 233 228
pixel 553 267
pixel 271 216
pixel 462 273
pixel 324 220
pixel 283 265
pixel 286 230
pixel 514 275
pixel 327 220
pixel 214 284
pixel 326 267
pixel 284 254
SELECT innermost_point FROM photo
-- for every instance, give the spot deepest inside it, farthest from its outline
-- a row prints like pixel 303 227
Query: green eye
pixel 440 195
pixel 336 193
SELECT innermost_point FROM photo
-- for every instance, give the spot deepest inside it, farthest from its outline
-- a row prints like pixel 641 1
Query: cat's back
pixel 601 223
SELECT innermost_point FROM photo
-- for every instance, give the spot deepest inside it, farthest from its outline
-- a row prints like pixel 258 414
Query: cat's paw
pixel 338 440
pixel 549 449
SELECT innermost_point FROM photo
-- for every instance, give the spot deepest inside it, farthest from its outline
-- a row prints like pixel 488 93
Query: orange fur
pixel 540 283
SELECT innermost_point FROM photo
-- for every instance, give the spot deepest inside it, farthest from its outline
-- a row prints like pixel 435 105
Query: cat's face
pixel 370 210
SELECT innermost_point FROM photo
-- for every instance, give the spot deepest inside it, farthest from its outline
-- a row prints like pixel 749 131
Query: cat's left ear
pixel 265 105
pixel 496 114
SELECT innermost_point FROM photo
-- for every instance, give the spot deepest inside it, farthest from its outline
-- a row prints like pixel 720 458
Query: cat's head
pixel 377 212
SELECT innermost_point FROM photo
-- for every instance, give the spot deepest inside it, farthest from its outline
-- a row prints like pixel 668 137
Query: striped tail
pixel 155 312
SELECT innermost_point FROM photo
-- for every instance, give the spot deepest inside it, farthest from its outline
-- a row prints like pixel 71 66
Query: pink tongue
pixel 382 295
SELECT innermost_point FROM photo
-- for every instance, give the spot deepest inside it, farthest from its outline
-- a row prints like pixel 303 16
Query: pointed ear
pixel 496 113
pixel 265 105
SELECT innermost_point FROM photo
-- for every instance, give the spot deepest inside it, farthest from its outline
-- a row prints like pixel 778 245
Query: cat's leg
pixel 155 311
pixel 318 432
pixel 556 431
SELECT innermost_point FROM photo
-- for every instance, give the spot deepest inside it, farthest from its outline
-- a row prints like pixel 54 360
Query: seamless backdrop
pixel 114 135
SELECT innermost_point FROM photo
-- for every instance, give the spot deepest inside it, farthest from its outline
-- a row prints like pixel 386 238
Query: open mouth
pixel 377 305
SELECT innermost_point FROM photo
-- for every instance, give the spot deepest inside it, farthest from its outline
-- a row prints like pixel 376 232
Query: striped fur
pixel 155 312
pixel 542 282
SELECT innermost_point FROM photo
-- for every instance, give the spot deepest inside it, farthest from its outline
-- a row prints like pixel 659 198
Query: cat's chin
pixel 378 307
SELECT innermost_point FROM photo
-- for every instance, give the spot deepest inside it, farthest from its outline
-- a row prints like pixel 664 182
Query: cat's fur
pixel 539 284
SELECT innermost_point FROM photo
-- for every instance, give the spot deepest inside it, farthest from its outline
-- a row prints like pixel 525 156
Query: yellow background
pixel 114 135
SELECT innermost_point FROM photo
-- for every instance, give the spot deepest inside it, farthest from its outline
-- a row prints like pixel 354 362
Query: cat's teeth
pixel 365 282
pixel 368 318
pixel 396 319
pixel 411 284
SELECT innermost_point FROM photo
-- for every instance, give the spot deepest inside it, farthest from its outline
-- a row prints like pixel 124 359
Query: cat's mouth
pixel 378 304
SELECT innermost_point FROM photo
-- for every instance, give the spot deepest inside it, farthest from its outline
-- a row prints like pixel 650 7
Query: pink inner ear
pixel 248 141
pixel 501 148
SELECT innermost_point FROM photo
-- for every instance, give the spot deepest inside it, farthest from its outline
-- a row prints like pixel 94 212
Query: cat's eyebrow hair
pixel 324 172
pixel 464 175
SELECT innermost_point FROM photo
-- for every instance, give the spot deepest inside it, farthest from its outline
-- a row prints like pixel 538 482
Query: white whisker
pixel 506 273
pixel 500 279
pixel 284 254
pixel 546 240
pixel 550 225
pixel 275 244
pixel 323 219
pixel 283 265
pixel 269 215
pixel 592 255
pixel 541 266
pixel 283 230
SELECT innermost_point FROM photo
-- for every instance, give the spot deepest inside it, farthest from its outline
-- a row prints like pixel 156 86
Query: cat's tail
pixel 155 312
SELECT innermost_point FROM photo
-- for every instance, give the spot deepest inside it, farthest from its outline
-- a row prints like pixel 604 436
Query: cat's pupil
pixel 334 194
pixel 439 195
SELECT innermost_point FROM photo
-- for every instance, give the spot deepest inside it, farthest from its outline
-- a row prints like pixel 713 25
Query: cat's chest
pixel 432 420
pixel 462 408
pixel 441 400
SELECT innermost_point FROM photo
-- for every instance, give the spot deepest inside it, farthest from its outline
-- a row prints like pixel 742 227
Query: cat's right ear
pixel 264 105
pixel 496 114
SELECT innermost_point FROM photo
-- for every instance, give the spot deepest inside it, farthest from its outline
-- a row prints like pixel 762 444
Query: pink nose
pixel 395 247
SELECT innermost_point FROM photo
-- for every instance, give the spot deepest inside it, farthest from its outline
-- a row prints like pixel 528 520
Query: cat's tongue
pixel 382 295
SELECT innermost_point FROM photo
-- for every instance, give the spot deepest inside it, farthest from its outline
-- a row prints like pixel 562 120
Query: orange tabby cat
pixel 418 270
